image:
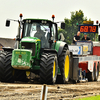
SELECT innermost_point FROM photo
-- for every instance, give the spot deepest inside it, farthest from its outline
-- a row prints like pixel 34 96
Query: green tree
pixel 70 25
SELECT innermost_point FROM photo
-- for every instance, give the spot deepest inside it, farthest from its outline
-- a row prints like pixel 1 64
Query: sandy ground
pixel 32 91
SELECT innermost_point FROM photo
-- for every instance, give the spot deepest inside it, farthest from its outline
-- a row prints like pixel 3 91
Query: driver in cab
pixel 41 35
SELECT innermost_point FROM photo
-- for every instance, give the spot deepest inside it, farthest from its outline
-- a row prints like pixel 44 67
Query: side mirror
pixel 61 37
pixel 7 23
pixel 63 25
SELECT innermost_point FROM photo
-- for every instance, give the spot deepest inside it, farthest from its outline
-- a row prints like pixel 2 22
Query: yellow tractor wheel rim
pixel 66 67
pixel 27 73
pixel 54 69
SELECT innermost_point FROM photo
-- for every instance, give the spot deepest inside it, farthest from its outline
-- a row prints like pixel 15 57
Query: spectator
pixel 85 38
pixel 76 37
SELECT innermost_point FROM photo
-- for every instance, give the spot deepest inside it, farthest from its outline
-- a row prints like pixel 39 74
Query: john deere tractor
pixel 39 50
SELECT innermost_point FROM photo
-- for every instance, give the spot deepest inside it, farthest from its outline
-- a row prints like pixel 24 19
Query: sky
pixel 43 9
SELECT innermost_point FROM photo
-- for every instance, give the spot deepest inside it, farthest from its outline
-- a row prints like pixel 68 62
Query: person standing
pixel 76 37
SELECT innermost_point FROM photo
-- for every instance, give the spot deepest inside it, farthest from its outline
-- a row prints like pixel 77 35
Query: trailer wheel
pixel 48 68
pixel 96 73
pixel 6 70
pixel 64 64
pixel 91 75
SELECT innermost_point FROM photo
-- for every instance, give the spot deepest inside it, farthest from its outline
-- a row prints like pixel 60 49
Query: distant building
pixel 6 42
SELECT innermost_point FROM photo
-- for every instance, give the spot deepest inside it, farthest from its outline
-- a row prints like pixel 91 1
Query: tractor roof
pixel 37 19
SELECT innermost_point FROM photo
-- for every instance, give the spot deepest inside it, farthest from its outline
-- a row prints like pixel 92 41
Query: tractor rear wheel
pixel 6 70
pixel 48 68
pixel 64 65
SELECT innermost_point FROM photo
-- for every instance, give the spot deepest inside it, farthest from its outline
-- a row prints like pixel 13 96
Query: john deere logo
pixel 23 53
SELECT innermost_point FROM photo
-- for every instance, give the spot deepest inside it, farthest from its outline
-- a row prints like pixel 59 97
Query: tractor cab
pixel 44 30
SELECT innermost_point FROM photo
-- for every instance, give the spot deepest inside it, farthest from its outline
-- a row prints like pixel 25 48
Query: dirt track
pixel 31 91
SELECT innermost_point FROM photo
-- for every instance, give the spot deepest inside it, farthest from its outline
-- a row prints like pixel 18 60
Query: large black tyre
pixel 48 68
pixel 6 70
pixel 20 75
pixel 91 75
pixel 96 73
pixel 64 65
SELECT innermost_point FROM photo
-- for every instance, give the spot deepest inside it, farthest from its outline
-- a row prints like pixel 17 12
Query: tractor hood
pixel 30 39
pixel 31 43
pixel 23 58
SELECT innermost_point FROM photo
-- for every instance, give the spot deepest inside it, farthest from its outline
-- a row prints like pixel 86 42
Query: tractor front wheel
pixel 48 68
pixel 6 70
pixel 20 75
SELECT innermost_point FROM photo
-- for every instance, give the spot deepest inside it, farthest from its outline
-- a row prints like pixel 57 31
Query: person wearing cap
pixel 85 38
pixel 76 37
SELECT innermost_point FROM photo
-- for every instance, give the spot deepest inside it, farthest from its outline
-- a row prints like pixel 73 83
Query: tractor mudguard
pixel 59 46
pixel 8 49
pixel 50 51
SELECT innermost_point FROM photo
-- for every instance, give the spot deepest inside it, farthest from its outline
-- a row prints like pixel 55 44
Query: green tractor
pixel 38 49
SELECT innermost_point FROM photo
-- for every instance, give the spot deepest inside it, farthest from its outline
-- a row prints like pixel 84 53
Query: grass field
pixel 90 98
